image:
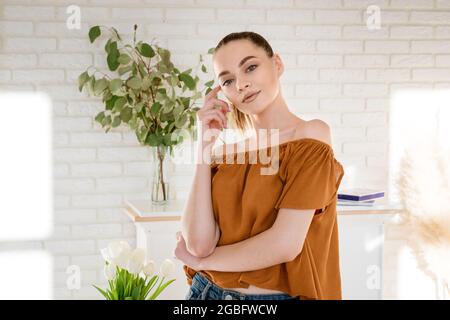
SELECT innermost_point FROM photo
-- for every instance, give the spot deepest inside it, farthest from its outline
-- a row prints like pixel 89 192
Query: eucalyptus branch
pixel 122 93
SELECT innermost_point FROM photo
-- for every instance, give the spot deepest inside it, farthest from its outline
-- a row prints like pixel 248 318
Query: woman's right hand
pixel 213 119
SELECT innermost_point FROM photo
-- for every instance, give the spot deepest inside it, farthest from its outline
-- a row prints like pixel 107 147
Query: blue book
pixel 360 194
pixel 353 201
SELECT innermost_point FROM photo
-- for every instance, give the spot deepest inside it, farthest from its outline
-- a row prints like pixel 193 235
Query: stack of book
pixel 359 197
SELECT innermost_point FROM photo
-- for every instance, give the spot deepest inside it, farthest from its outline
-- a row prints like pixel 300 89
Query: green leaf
pixel 111 46
pixel 133 122
pixel 106 121
pixel 136 293
pixel 123 70
pixel 146 82
pixel 146 50
pixel 100 116
pixel 113 55
pixel 118 105
pixel 94 33
pixel 155 108
pixel 100 85
pixel 126 114
pixel 138 107
pixel 116 122
pixel 209 83
pixel 110 102
pixel 108 43
pixel 91 84
pixel 82 79
pixel 152 140
pixel 142 68
pixel 107 95
pixel 134 83
pixel 146 288
pixel 178 110
pixel 164 54
pixel 160 289
pixel 115 85
pixel 187 79
pixel 111 59
pixel 124 58
pixel 180 122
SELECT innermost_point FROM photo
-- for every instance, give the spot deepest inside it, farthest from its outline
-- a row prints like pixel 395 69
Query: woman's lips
pixel 252 97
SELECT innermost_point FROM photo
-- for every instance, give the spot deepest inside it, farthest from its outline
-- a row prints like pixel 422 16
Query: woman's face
pixel 239 75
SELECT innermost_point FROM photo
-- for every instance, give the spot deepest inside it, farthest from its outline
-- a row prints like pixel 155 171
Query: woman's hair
pixel 241 120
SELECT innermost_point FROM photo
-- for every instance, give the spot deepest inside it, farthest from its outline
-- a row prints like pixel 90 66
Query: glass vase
pixel 160 183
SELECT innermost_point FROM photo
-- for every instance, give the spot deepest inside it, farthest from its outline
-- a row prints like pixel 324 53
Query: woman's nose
pixel 240 90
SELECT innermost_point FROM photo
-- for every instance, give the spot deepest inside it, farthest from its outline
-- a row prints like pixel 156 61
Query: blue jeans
pixel 203 289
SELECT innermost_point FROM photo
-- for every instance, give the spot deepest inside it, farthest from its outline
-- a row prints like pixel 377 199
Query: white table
pixel 361 236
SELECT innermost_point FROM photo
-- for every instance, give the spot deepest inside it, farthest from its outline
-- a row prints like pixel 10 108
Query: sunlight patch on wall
pixel 26 275
pixel 26 166
pixel 416 116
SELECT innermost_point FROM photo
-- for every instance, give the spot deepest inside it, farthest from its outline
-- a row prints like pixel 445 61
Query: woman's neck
pixel 264 137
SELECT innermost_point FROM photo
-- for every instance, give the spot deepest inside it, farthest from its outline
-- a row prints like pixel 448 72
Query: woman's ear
pixel 279 64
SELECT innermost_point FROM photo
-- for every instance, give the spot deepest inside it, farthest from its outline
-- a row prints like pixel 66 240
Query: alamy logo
pixel 373 21
pixel 73 281
pixel 73 21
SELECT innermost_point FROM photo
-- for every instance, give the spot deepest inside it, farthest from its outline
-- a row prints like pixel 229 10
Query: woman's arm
pixel 199 228
pixel 198 225
pixel 260 251
pixel 280 243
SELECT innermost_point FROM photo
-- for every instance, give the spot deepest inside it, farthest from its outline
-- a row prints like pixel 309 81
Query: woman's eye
pixel 253 65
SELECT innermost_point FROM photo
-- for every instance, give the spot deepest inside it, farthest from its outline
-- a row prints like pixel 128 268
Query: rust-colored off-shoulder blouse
pixel 246 197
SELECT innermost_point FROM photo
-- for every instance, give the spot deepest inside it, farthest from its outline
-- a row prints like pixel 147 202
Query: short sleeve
pixel 311 177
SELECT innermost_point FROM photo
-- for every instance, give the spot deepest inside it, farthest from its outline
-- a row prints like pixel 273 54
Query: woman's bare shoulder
pixel 315 129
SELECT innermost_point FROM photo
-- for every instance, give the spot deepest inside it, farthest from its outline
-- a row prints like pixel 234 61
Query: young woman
pixel 247 234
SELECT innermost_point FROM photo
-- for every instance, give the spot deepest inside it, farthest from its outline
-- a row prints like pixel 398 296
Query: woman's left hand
pixel 181 253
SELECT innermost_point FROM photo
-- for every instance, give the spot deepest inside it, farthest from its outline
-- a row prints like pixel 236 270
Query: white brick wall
pixel 336 70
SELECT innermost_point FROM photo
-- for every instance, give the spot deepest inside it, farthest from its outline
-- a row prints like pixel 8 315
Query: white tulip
pixel 167 267
pixel 122 259
pixel 117 252
pixel 136 261
pixel 110 271
pixel 105 254
pixel 149 268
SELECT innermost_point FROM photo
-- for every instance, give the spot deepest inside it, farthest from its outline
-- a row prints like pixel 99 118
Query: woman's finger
pixel 218 102
pixel 213 92
pixel 210 99
pixel 213 121
pixel 219 114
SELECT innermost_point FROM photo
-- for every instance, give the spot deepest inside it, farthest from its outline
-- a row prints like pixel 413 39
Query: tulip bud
pixel 110 271
pixel 149 268
pixel 136 261
pixel 167 267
